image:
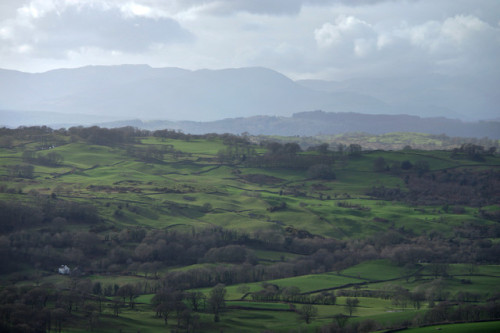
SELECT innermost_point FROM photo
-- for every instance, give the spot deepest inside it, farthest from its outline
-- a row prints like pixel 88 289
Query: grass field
pixel 188 187
pixel 109 174
pixel 486 327
pixel 376 270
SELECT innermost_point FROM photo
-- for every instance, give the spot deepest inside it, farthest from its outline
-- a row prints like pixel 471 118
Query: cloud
pixel 258 7
pixel 276 7
pixel 454 32
pixel 52 28
pixel 461 44
pixel 107 29
pixel 332 39
pixel 345 28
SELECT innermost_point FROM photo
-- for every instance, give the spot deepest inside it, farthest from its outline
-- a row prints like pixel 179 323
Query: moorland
pixel 126 230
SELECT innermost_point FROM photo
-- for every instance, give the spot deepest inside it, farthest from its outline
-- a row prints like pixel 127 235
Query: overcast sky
pixel 327 39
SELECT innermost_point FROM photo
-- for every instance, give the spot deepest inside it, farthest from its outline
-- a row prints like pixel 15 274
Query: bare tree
pixel 350 305
pixel 216 301
pixel 308 312
pixel 195 299
pixel 341 319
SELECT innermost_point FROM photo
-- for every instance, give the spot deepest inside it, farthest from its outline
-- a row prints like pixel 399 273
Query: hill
pixel 313 123
pixel 167 230
pixel 132 91
pixel 434 95
pixel 160 93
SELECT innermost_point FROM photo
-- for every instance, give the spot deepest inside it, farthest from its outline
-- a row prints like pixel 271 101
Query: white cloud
pixel 333 39
pixel 327 35
pixel 52 28
pixel 456 45
pixel 348 34
pixel 460 28
pixel 131 9
pixel 383 41
pixel 363 47
pixel 460 36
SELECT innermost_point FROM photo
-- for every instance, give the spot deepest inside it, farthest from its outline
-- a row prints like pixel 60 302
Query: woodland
pixel 167 231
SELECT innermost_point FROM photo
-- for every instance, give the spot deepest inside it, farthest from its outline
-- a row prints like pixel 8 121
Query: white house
pixel 64 270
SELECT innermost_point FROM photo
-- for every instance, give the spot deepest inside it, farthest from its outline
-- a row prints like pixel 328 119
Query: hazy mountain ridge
pixel 319 122
pixel 436 95
pixel 131 91
pixel 303 123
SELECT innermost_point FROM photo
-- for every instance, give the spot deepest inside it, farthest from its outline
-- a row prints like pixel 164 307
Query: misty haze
pixel 249 166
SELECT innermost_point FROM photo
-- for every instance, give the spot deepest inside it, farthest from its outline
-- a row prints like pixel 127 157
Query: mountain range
pixel 140 91
pixel 315 123
pixel 254 100
pixel 310 123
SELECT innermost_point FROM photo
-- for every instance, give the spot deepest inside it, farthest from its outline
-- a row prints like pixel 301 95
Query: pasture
pixel 136 192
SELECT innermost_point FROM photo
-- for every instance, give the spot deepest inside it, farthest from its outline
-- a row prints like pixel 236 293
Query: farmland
pixel 154 224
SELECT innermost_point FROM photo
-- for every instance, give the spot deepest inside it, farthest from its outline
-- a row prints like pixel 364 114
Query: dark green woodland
pixel 127 230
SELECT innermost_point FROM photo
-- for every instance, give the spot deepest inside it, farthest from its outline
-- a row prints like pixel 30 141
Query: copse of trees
pixel 321 171
pixel 16 215
pixel 288 156
pixel 473 152
pixel 452 187
pixel 106 136
pixel 321 148
pixel 49 159
pixel 292 294
pixel 21 171
pixel 231 254
pixel 34 233
pixel 354 149
pixel 131 249
pixel 162 248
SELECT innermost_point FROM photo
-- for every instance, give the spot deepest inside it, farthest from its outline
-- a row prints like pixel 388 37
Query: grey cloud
pixel 8 8
pixel 462 43
pixel 267 7
pixel 54 33
pixel 277 7
pixel 303 38
pixel 106 29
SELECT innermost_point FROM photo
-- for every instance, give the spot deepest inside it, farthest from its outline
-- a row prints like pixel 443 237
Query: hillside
pixel 312 123
pixel 434 95
pixel 131 91
pixel 170 230
pixel 316 123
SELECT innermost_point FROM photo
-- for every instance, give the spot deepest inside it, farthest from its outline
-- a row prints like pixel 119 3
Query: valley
pixel 218 232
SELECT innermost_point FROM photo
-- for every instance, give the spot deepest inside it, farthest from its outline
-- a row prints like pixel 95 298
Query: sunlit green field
pixel 189 188
pixel 108 176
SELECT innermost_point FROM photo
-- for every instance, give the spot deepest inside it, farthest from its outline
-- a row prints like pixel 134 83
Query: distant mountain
pixel 303 123
pixel 435 95
pixel 170 93
pixel 319 122
pixel 140 91
pixel 55 120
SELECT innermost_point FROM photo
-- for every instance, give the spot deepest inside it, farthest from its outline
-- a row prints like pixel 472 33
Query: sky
pixel 303 39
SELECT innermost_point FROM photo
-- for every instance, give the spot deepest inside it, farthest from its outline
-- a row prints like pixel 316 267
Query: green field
pixel 403 232
pixel 487 327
